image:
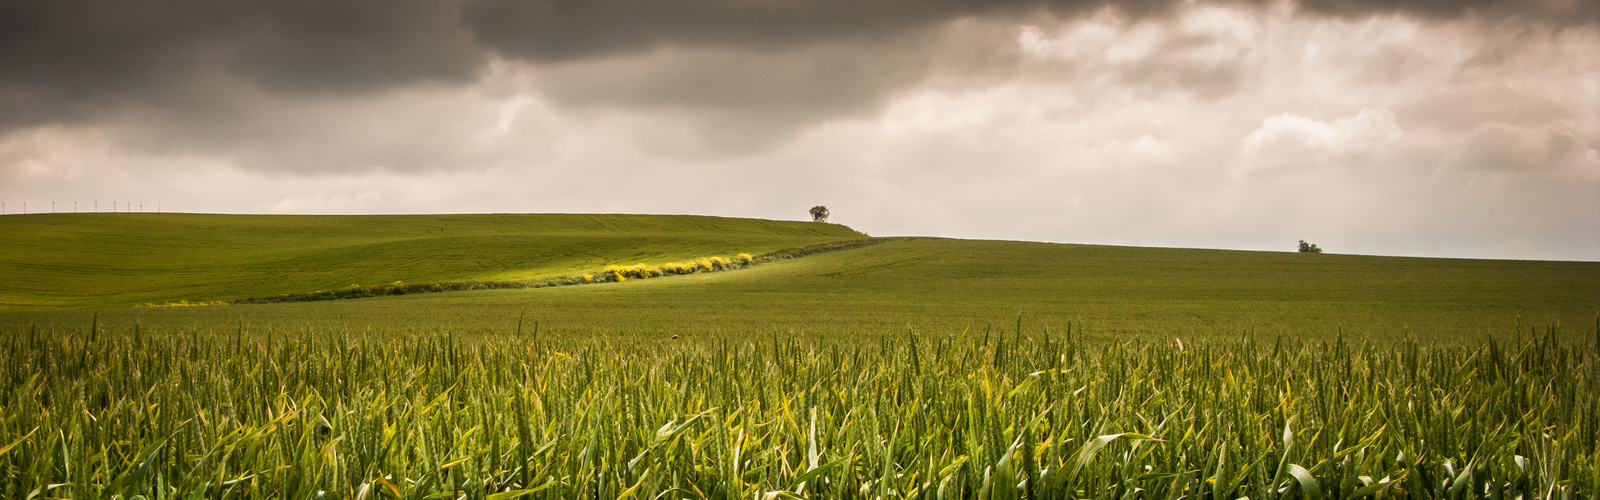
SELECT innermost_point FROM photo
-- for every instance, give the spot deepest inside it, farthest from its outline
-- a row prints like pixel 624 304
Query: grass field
pixel 1001 415
pixel 55 261
pixel 907 368
pixel 946 286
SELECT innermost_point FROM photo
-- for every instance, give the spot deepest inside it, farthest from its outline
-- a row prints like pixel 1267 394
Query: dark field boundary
pixel 399 288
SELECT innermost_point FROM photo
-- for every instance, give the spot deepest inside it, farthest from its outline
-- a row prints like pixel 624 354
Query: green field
pixel 57 261
pixel 933 285
pixel 902 368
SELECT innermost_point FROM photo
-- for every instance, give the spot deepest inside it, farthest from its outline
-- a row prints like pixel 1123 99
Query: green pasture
pixel 947 286
pixel 75 261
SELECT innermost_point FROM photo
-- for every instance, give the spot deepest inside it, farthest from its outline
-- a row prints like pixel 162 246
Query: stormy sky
pixel 1397 127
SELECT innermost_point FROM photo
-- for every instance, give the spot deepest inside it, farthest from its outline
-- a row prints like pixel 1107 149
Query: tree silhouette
pixel 819 213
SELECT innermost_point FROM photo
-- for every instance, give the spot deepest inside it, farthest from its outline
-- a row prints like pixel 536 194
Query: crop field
pixel 895 368
pixel 997 415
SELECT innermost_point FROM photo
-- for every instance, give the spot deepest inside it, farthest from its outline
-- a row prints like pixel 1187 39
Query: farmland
pixel 54 261
pixel 905 368
pixel 947 286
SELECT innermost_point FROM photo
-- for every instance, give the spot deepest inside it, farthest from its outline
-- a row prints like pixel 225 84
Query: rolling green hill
pixel 57 261
pixel 942 285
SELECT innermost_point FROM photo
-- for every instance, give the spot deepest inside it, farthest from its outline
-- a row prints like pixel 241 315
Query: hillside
pixel 947 286
pixel 57 261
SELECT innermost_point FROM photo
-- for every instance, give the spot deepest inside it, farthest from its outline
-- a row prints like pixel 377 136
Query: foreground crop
pixel 969 416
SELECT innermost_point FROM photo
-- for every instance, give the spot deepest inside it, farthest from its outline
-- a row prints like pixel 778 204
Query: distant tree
pixel 819 213
pixel 1309 248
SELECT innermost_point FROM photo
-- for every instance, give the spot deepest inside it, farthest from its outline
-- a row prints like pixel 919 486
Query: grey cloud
pixel 70 60
pixel 1557 11
pixel 731 80
pixel 1205 65
pixel 212 73
pixel 1461 109
pixel 62 61
pixel 1502 147
pixel 561 30
pixel 741 100
pixel 241 80
pixel 353 45
pixel 215 76
pixel 556 30
pixel 1174 66
pixel 84 48
pixel 402 132
pixel 742 76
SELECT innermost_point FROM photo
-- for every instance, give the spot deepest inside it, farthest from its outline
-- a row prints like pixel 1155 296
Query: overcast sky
pixel 1397 127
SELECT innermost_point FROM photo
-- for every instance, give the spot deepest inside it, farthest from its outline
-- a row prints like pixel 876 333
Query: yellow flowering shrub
pixel 185 303
pixel 678 267
pixel 621 273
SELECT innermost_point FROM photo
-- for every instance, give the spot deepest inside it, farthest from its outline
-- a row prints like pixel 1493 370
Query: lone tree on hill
pixel 819 213
pixel 1309 248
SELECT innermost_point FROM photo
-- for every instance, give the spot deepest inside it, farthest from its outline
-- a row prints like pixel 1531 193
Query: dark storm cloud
pixel 215 74
pixel 545 30
pixel 64 60
pixel 103 49
pixel 556 30
pixel 1558 11
pixel 741 99
pixel 93 48
pixel 353 45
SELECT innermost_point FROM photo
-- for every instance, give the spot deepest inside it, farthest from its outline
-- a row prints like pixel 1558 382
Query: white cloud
pixel 1289 141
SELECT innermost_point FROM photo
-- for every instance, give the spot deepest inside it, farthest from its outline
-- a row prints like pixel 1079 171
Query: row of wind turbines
pixel 124 207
